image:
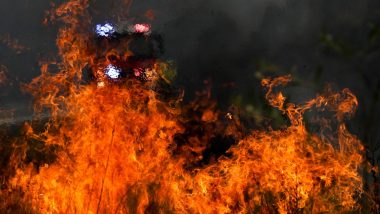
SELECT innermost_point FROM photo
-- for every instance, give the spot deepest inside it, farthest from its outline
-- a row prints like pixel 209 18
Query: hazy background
pixel 233 44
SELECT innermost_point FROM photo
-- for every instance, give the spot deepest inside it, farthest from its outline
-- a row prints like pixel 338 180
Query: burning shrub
pixel 118 149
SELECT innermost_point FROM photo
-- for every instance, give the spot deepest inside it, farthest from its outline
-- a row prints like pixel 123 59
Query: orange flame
pixel 116 149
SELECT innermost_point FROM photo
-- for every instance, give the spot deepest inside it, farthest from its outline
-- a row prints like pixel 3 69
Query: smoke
pixel 235 43
pixel 224 41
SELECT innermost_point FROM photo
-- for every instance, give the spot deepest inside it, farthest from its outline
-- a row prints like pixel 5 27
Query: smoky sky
pixel 225 42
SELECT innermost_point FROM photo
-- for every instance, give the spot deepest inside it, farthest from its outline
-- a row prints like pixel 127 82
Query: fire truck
pixel 130 53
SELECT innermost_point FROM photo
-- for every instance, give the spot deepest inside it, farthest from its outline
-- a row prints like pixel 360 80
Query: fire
pixel 116 150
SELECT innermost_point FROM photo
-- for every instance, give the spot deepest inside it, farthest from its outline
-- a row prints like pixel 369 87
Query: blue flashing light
pixel 105 30
pixel 112 71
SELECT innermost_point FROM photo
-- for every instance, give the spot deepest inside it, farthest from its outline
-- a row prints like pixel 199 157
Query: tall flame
pixel 116 148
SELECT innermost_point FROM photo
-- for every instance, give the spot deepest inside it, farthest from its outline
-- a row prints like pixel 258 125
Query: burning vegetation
pixel 128 145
